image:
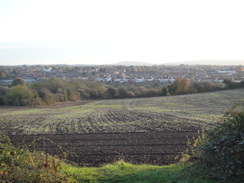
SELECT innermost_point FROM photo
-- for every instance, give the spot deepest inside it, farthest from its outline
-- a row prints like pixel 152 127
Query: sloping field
pixel 145 130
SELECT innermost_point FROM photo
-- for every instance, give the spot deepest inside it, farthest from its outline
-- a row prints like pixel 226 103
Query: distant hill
pixel 196 62
pixel 128 63
pixel 208 62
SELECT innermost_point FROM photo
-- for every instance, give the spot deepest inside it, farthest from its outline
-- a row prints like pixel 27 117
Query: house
pixel 139 80
pixel 47 70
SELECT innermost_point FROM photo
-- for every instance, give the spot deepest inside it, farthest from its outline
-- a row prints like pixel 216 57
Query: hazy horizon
pixel 108 32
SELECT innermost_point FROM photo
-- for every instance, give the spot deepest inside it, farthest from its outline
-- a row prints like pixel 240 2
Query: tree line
pixel 54 90
pixel 184 86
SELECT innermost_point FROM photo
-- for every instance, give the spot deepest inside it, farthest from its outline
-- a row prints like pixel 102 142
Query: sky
pixel 110 31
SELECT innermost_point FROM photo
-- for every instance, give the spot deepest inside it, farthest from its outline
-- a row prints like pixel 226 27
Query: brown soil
pixel 98 149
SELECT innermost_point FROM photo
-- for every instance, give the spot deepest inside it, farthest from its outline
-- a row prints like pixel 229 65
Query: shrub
pixel 221 153
pixel 46 96
pixel 18 81
pixel 111 92
pixel 19 165
pixel 3 91
pixel 19 95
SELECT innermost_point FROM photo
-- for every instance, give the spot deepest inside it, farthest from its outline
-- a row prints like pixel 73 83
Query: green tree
pixel 111 92
pixel 164 91
pixel 229 84
pixel 241 84
pixel 3 91
pixel 52 84
pixel 18 81
pixel 19 95
pixel 122 92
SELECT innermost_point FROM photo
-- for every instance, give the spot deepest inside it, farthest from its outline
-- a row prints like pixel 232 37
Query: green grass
pixel 125 172
pixel 23 112
pixel 156 109
pixel 216 94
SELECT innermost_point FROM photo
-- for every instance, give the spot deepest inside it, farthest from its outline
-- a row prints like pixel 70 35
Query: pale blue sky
pixel 102 32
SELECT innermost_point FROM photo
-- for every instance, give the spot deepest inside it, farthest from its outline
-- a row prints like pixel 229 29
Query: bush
pixel 18 81
pixel 19 165
pixel 221 153
pixel 3 91
pixel 19 95
pixel 46 96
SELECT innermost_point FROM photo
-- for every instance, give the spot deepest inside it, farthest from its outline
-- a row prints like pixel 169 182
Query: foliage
pixel 56 90
pixel 221 153
pixel 199 87
pixel 49 91
pixel 46 96
pixel 18 81
pixel 184 86
pixel 179 86
pixel 232 85
pixel 52 84
pixel 3 75
pixel 165 91
pixel 18 165
pixel 112 92
pixel 123 93
pixel 19 95
pixel 21 165
pixel 3 91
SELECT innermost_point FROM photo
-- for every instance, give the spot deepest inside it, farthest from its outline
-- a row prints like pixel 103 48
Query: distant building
pixel 226 72
pixel 47 70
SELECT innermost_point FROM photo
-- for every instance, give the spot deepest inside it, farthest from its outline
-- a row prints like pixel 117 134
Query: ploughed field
pixel 145 130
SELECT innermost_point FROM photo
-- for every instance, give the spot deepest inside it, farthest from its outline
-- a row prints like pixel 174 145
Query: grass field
pixel 142 130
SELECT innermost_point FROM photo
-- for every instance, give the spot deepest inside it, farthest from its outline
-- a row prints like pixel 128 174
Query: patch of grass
pixel 224 101
pixel 157 109
pixel 208 116
pixel 104 106
pixel 126 172
pixel 169 104
pixel 216 94
pixel 23 112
